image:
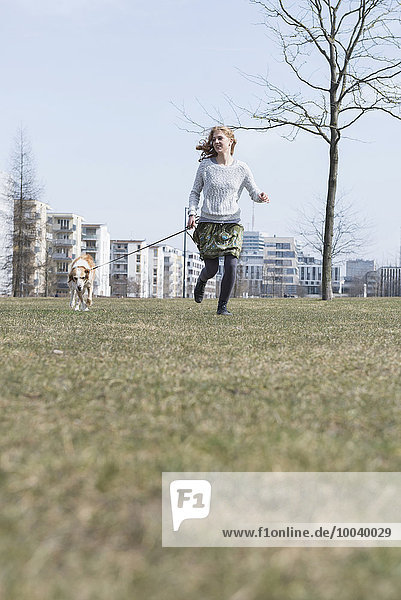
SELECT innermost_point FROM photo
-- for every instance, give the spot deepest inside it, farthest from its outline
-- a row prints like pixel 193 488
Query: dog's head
pixel 78 277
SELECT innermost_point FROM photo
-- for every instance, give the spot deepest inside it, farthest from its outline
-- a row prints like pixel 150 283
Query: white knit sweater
pixel 222 187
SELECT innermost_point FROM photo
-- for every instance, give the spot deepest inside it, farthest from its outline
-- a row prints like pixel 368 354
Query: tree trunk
pixel 327 292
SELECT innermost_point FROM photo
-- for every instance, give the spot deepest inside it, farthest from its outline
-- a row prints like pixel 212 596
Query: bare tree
pixel 345 53
pixel 24 193
pixel 133 287
pixel 350 229
pixel 48 268
pixel 273 278
pixel 119 285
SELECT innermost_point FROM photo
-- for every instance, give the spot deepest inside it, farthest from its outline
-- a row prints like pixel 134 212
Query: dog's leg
pixel 73 299
pixel 89 298
pixel 76 300
pixel 82 301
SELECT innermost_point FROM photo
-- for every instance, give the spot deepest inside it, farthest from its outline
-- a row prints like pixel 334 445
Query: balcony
pixel 65 230
pixel 60 256
pixel 86 236
pixel 120 261
pixel 89 248
pixel 64 242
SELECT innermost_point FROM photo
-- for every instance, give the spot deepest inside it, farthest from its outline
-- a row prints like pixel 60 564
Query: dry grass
pixel 145 386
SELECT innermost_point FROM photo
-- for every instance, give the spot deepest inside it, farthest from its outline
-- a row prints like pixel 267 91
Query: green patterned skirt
pixel 218 239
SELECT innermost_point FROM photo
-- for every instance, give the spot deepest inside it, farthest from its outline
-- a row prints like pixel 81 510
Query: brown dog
pixel 80 281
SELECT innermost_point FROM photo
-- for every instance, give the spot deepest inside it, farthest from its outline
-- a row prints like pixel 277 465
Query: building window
pixel 63 267
pixel 64 223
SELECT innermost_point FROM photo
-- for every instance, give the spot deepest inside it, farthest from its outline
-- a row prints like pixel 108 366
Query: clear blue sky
pixel 93 81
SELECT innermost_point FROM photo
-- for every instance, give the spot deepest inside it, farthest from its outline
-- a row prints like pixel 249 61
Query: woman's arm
pixel 252 188
pixel 194 196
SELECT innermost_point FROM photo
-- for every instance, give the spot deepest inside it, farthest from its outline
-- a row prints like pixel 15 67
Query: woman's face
pixel 221 143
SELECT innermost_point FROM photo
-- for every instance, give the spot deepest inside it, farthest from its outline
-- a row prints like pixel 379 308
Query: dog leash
pixel 143 248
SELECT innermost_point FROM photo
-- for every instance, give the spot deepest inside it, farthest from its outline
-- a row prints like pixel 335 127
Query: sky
pixel 96 84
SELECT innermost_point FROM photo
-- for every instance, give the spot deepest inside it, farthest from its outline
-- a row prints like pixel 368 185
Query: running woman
pixel 219 232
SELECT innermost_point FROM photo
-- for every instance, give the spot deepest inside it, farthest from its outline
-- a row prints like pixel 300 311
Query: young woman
pixel 219 232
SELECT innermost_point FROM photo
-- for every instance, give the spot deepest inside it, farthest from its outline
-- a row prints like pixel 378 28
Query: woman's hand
pixel 264 197
pixel 191 222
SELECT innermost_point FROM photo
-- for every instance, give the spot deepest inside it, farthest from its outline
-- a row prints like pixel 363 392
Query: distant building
pixel 40 245
pixel 65 246
pixel 156 271
pixel 355 283
pixel 129 274
pixel 250 271
pixel 173 272
pixel 193 268
pixel 6 239
pixel 310 276
pixel 280 267
pixel 96 243
pixel 390 281
pixel 33 276
pixel 356 269
pixel 254 242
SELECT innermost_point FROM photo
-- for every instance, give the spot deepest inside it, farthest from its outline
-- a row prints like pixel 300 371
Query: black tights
pixel 230 268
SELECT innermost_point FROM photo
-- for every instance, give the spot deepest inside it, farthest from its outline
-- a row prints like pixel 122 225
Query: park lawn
pixel 138 387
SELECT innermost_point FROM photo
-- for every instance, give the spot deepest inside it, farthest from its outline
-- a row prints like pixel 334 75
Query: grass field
pixel 138 387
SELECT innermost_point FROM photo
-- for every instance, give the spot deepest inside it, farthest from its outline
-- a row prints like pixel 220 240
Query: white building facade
pixel 6 238
pixel 96 242
pixel 66 243
pixel 129 269
pixel 310 276
pixel 173 272
pixel 280 267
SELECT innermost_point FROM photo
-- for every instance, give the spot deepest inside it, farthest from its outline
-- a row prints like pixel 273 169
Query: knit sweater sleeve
pixel 250 184
pixel 194 196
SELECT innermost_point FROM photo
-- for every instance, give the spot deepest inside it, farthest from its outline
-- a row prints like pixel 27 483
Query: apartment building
pixel 96 242
pixel 129 274
pixel 65 245
pixel 32 276
pixel 42 237
pixel 173 272
pixel 389 281
pixel 156 271
pixel 357 268
pixel 280 266
pixel 29 252
pixel 310 276
pixel 6 238
pixel 250 271
pixel 194 265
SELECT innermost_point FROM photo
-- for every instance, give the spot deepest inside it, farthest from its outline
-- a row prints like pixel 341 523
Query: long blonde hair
pixel 206 145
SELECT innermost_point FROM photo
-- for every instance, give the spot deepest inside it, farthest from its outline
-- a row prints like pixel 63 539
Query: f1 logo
pixel 190 499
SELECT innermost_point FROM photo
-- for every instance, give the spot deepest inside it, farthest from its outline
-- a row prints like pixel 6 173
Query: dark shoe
pixel 222 309
pixel 199 290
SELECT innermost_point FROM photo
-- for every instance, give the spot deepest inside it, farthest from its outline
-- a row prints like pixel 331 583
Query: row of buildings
pixel 269 266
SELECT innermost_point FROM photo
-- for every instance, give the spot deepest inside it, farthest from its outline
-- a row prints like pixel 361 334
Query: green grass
pixel 145 386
